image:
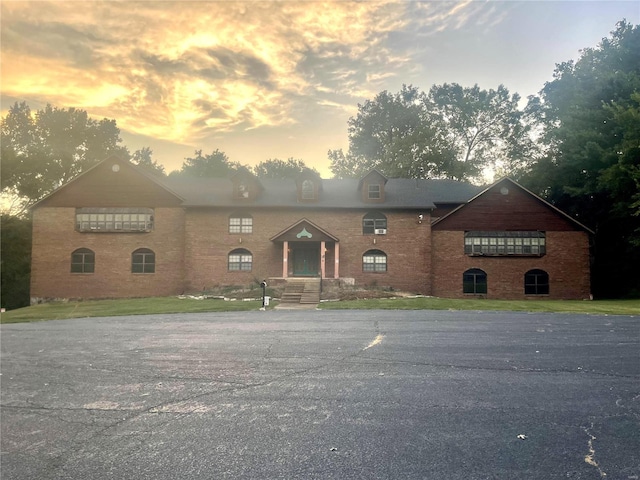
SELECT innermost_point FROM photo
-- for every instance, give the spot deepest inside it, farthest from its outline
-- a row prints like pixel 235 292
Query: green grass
pixel 133 306
pixel 609 307
pixel 146 306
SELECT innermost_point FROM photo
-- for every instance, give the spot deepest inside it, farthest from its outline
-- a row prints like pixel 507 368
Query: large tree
pixel 486 129
pixel 452 132
pixel 215 164
pixel 15 261
pixel 41 151
pixel 591 167
pixel 392 134
pixel 276 168
pixel 143 159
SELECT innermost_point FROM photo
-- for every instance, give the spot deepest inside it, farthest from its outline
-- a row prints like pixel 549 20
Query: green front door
pixel 306 260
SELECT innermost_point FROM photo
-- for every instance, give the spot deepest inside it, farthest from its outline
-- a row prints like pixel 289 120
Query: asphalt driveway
pixel 322 395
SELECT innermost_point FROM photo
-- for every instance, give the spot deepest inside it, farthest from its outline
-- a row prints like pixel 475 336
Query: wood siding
pixel 497 211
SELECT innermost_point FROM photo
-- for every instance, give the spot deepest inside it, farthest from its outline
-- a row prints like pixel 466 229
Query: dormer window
pixel 371 187
pixel 309 186
pixel 243 190
pixel 374 192
pixel 245 186
pixel 308 190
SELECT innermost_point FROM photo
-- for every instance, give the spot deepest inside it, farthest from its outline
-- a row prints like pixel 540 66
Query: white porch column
pixel 285 259
pixel 336 272
pixel 322 264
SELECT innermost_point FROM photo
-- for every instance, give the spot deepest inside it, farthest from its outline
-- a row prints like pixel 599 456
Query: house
pixel 117 231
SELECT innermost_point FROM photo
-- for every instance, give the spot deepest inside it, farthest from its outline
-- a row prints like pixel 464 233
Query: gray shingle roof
pixel 336 193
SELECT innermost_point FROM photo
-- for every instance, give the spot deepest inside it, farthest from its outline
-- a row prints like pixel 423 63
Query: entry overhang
pixel 304 231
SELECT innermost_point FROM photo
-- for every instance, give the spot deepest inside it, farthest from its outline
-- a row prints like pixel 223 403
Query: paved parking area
pixel 322 395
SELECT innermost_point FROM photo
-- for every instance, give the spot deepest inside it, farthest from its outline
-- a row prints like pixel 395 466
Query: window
pixel 243 190
pixel 474 281
pixel 374 192
pixel 240 260
pixel 531 244
pixel 83 260
pixel 373 221
pixel 143 260
pixel 99 220
pixel 308 190
pixel 239 223
pixel 374 261
pixel 536 282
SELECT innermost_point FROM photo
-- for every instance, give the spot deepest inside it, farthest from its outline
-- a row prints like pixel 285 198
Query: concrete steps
pixel 301 290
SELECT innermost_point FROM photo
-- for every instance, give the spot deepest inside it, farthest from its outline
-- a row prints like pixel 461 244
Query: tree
pixel 216 164
pixel 451 132
pixel 15 263
pixel 276 168
pixel 391 133
pixel 485 128
pixel 43 151
pixel 143 159
pixel 589 114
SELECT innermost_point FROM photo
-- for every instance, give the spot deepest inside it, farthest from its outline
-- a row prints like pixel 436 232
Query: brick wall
pixel 566 262
pixel 208 244
pixel 55 238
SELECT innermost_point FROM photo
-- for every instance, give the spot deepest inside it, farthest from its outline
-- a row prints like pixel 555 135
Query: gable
pixel 507 206
pixel 304 231
pixel 112 183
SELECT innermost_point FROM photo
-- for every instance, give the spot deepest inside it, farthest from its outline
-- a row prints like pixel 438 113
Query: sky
pixel 275 79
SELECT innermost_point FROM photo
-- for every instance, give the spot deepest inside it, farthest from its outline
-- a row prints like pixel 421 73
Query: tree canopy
pixel 143 159
pixel 276 168
pixel 449 132
pixel 215 164
pixel 590 121
pixel 40 152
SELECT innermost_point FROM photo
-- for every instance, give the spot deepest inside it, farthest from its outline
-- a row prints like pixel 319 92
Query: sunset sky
pixel 270 79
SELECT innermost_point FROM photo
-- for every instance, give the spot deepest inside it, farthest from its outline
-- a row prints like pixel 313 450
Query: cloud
pixel 181 71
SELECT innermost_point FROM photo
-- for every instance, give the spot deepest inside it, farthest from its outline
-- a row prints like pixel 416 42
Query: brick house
pixel 117 231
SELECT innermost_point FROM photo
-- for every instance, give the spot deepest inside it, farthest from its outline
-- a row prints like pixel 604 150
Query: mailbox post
pixel 263 284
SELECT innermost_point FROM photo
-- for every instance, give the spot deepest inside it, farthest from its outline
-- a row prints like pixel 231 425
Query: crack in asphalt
pixel 590 458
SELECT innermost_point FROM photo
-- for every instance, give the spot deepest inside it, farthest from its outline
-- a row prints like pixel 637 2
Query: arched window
pixel 83 260
pixel 474 281
pixel 374 222
pixel 240 260
pixel 536 282
pixel 143 260
pixel 374 261
pixel 240 223
pixel 308 190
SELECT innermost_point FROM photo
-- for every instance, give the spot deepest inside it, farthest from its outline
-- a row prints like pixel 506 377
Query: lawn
pixel 148 306
pixel 132 306
pixel 607 307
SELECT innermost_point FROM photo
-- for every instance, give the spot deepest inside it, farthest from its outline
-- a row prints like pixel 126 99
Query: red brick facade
pixel 192 243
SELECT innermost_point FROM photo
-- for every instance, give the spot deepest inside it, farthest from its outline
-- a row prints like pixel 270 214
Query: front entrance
pixel 305 259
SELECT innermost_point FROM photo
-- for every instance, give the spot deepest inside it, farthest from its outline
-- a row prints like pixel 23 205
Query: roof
pixel 400 193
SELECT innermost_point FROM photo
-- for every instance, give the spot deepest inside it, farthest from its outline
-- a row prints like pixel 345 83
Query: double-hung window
pixel 240 260
pixel 143 260
pixel 374 222
pixel 83 260
pixel 239 223
pixel 374 261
